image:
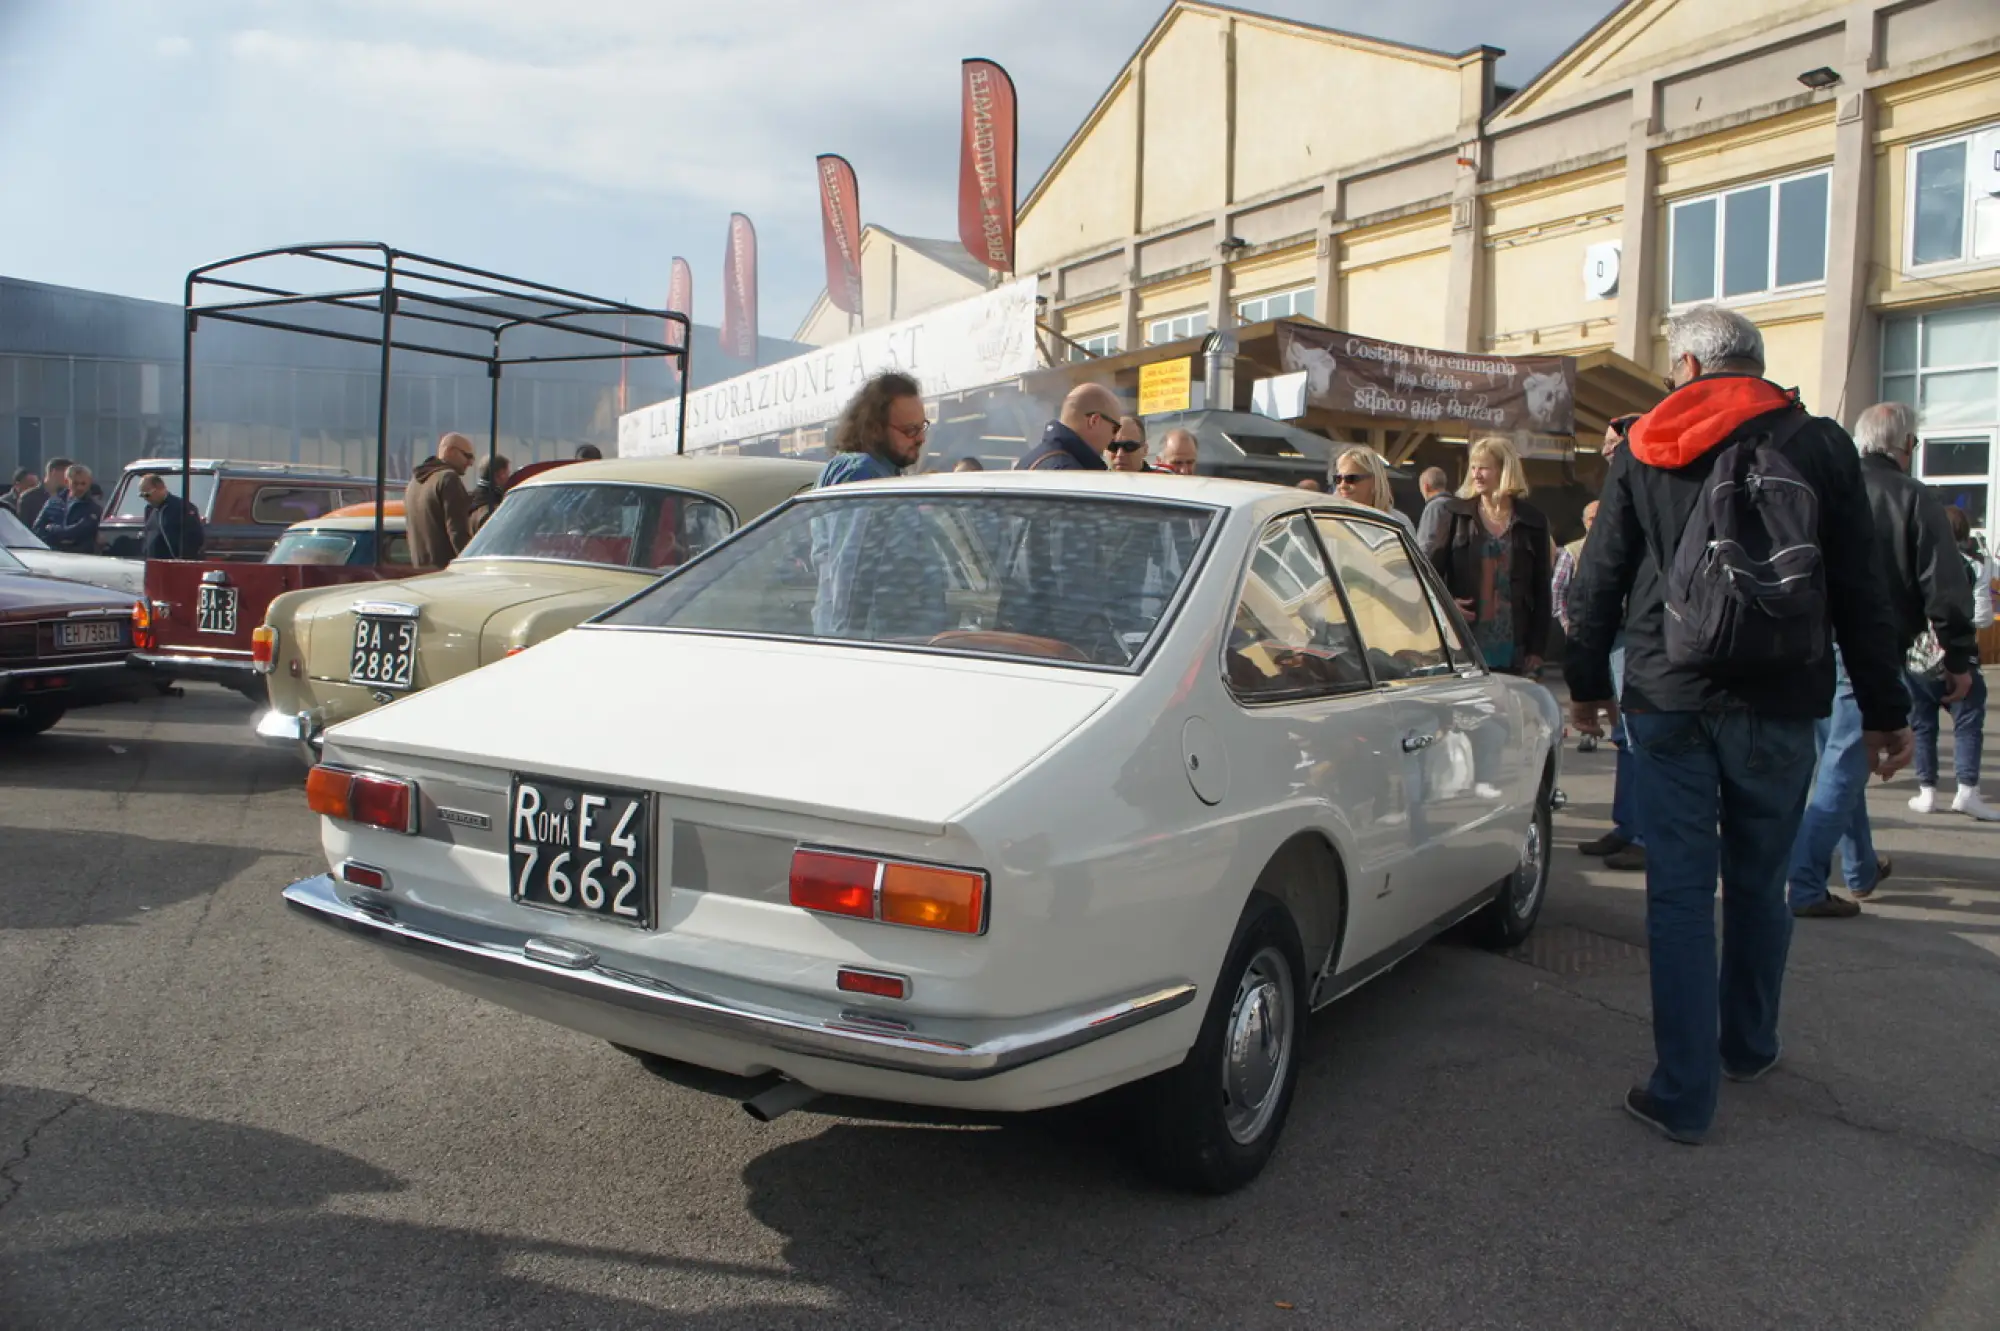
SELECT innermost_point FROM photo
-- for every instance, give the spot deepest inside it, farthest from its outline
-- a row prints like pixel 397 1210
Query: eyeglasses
pixel 1352 478
pixel 917 431
pixel 1127 445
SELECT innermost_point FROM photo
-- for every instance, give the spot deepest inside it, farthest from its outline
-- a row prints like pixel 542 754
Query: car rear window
pixel 632 526
pixel 282 505
pixel 1054 578
pixel 312 547
pixel 131 505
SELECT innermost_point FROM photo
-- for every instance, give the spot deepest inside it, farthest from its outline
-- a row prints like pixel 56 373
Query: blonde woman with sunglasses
pixel 1360 476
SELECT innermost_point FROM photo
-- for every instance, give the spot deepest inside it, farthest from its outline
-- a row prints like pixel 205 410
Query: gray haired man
pixel 1722 762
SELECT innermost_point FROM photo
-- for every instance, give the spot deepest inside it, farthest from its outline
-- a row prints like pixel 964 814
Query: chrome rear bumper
pixel 956 1049
pixel 288 730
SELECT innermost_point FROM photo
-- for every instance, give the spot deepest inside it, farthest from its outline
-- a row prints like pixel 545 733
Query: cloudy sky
pixel 581 142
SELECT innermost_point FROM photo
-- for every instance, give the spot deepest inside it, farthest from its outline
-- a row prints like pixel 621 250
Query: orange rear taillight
pixel 931 898
pixel 143 637
pixel 386 802
pixel 263 648
pixel 922 896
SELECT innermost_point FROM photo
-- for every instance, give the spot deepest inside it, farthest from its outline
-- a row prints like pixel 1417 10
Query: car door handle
pixel 1413 741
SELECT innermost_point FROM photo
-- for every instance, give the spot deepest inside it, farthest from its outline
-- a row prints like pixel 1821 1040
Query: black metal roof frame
pixel 427 294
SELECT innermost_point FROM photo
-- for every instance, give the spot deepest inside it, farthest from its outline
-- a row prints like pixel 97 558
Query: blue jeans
pixel 1723 794
pixel 1624 805
pixel 1968 727
pixel 1838 812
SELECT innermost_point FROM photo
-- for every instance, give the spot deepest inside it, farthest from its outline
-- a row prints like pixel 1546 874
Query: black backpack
pixel 1746 591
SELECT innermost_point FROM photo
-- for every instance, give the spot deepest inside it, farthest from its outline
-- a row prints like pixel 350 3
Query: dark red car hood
pixel 23 596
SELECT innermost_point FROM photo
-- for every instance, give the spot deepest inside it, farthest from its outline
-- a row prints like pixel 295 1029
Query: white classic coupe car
pixel 993 791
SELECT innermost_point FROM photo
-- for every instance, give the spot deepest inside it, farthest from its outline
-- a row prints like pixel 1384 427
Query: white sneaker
pixel 1969 803
pixel 1925 800
pixel 1490 792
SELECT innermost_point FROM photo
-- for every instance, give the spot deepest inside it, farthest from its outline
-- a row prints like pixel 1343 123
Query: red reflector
pixel 362 875
pixel 381 801
pixel 835 884
pixel 868 982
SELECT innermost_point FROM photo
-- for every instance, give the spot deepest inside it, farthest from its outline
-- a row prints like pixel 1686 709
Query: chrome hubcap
pixel 1529 877
pixel 1257 1048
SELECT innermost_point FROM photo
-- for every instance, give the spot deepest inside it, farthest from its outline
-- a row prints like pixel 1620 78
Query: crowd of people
pixel 1763 612
pixel 65 507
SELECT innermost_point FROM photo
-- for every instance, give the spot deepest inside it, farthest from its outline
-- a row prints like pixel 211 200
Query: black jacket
pixel 173 530
pixel 70 524
pixel 1062 449
pixel 1653 485
pixel 1926 576
pixel 1455 553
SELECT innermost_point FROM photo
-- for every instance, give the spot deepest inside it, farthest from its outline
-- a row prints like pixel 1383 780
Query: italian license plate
pixel 385 652
pixel 215 609
pixel 94 633
pixel 583 849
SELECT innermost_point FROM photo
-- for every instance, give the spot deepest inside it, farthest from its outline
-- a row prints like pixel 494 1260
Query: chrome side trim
pixel 952 1049
pixel 171 660
pixel 387 609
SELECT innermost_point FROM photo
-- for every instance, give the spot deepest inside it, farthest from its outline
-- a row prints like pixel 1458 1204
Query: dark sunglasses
pixel 1352 478
pixel 1127 445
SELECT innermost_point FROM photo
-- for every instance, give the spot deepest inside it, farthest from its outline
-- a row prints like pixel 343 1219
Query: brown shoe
pixel 1882 867
pixel 1630 858
pixel 1828 907
pixel 1608 844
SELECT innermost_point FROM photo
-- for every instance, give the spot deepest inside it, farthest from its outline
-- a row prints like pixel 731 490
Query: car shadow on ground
pixel 45 884
pixel 74 760
pixel 284 1259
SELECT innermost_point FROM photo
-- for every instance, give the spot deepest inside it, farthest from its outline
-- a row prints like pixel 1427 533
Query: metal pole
pixel 382 397
pixel 687 386
pixel 187 391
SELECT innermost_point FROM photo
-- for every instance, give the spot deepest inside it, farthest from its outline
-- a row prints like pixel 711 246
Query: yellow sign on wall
pixel 1165 386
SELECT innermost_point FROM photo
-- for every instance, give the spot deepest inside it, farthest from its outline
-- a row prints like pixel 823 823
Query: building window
pixel 1277 305
pixel 1947 366
pixel 1748 242
pixel 1954 212
pixel 1101 344
pixel 1176 326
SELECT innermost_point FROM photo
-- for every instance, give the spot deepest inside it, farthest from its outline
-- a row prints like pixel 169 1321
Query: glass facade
pixel 1947 365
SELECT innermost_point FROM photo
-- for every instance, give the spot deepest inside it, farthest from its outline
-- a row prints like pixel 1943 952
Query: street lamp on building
pixel 1823 77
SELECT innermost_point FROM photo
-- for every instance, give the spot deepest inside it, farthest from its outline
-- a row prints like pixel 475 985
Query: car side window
pixel 282 505
pixel 1390 599
pixel 399 550
pixel 1289 637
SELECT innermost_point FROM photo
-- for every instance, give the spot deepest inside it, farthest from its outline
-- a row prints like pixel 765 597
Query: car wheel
pixel 1511 915
pixel 30 719
pixel 1211 1123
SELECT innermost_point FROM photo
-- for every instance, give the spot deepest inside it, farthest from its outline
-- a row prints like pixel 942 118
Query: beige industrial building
pixel 1831 169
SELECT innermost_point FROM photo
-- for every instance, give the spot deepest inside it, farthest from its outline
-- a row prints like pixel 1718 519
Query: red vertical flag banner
pixel 840 218
pixel 739 290
pixel 680 300
pixel 987 156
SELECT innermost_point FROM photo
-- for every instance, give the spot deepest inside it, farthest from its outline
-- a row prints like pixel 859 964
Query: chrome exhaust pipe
pixel 779 1098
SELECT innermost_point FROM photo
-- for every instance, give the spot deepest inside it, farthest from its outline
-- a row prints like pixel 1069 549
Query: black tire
pixel 1510 917
pixel 1195 1134
pixel 32 719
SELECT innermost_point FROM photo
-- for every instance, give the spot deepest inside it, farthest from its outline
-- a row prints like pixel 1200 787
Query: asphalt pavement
pixel 213 1115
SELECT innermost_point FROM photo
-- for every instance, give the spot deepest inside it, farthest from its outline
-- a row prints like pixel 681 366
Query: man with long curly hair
pixel 880 432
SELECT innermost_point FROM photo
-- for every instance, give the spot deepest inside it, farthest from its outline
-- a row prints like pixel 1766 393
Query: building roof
pixel 945 253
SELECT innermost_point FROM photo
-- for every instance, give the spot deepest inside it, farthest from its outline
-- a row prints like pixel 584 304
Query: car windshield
pixel 313 547
pixel 132 505
pixel 14 534
pixel 635 526
pixel 1061 578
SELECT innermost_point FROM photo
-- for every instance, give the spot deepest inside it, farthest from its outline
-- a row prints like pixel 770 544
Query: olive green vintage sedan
pixel 563 546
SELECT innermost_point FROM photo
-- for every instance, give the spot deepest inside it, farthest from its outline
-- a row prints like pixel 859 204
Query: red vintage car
pixel 62 645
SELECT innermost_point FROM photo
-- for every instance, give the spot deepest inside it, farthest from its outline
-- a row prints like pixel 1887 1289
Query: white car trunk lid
pixel 890 738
